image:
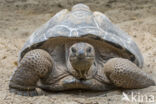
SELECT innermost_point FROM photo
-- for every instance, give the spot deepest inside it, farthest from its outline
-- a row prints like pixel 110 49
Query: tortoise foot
pixel 24 92
pixel 125 74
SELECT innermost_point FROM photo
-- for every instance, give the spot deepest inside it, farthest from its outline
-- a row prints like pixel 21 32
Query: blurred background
pixel 19 18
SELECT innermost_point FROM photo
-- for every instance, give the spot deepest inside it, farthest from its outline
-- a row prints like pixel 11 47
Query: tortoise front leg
pixel 35 65
pixel 125 74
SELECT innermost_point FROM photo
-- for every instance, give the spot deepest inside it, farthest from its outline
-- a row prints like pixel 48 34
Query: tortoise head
pixel 81 57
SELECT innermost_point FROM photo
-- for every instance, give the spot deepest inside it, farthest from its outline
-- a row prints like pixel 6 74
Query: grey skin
pixel 80 49
pixel 82 57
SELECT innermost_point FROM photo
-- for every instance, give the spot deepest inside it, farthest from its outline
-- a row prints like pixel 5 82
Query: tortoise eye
pixel 89 49
pixel 73 50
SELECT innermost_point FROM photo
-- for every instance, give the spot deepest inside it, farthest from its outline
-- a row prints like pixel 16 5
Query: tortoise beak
pixel 81 54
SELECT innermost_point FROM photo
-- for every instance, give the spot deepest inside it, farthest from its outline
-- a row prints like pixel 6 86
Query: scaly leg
pixel 125 74
pixel 35 65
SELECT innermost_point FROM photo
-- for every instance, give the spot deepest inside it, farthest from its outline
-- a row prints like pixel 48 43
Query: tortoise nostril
pixel 81 53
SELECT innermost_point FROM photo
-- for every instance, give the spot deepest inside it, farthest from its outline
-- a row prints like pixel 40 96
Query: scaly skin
pixel 37 64
pixel 125 74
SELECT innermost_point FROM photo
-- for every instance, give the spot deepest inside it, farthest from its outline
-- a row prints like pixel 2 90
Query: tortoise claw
pixel 24 93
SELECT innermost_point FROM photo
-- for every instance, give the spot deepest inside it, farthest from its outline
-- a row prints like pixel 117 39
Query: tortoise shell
pixel 81 24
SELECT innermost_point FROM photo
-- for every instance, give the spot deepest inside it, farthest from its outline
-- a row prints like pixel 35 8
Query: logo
pixel 137 97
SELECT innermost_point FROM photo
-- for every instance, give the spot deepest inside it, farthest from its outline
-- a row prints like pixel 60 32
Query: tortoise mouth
pixel 81 62
pixel 77 58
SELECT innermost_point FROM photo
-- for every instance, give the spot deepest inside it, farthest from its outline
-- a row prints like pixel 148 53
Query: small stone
pixel 15 63
pixel 148 65
pixel 4 57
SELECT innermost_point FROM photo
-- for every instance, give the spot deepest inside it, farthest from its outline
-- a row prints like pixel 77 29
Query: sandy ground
pixel 18 21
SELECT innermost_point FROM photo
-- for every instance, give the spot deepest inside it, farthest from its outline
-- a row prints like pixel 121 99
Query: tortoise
pixel 79 50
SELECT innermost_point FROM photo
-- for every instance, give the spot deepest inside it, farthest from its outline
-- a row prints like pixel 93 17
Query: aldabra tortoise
pixel 79 49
